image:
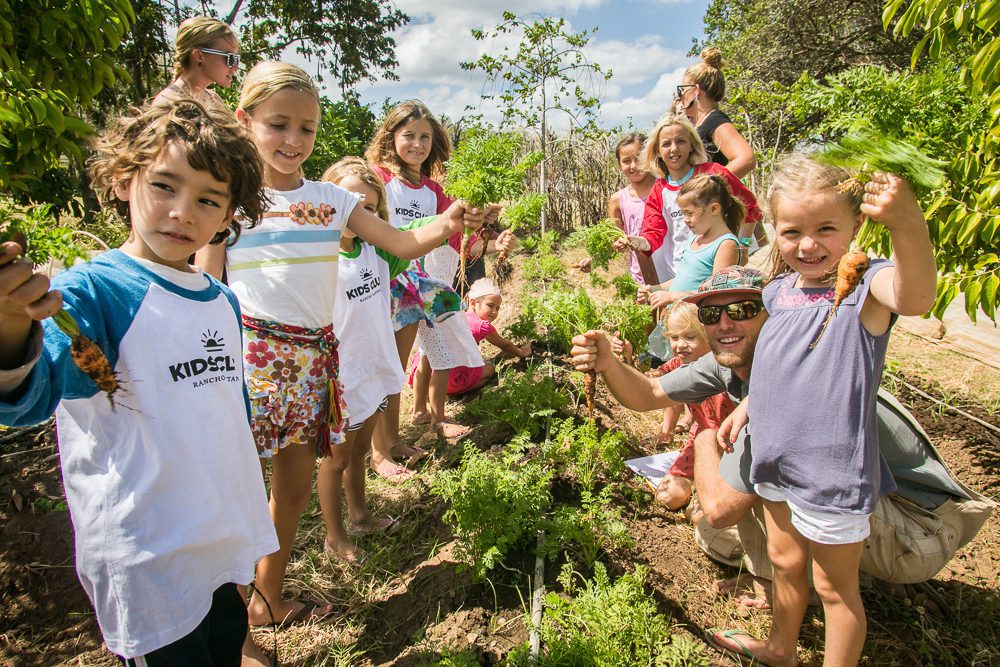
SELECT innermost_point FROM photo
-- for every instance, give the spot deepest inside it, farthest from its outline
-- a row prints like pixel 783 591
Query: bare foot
pixel 370 525
pixel 451 430
pixel 253 656
pixel 347 552
pixel 733 585
pixel 392 472
pixel 421 417
pixel 411 454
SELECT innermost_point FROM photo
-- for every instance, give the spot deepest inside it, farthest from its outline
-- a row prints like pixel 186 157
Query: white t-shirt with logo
pixel 369 362
pixel 285 269
pixel 164 489
pixel 408 202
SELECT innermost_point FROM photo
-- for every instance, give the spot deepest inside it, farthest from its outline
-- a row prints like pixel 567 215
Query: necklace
pixel 683 179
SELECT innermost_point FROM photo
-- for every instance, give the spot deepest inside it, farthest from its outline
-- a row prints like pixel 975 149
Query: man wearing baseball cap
pixel 902 548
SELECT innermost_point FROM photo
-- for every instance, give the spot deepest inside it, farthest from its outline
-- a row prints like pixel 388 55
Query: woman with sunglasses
pixel 702 88
pixel 205 52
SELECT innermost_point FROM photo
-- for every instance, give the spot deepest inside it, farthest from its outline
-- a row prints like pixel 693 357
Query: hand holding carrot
pixel 459 217
pixel 731 426
pixel 24 294
pixel 591 352
pixel 506 242
pixel 889 200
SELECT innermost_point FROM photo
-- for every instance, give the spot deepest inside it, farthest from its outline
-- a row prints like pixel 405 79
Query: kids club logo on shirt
pixel 370 284
pixel 212 362
pixel 412 212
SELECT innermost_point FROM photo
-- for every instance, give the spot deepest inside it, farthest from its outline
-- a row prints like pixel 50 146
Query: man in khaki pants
pixel 914 532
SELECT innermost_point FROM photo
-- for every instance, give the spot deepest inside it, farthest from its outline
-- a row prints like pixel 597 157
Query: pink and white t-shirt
pixel 408 202
pixel 632 209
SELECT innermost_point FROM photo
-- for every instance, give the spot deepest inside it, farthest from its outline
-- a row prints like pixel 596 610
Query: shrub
pixel 523 402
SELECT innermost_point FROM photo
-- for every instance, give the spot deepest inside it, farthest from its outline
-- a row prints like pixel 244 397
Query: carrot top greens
pixel 484 169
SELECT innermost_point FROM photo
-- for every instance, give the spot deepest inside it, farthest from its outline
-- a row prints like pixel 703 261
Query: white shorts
pixel 820 527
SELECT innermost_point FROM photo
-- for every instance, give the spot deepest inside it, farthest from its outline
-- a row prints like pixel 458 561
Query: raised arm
pixel 635 391
pixel 418 242
pixel 909 287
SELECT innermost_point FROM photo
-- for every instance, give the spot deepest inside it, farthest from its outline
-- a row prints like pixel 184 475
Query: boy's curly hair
pixel 213 141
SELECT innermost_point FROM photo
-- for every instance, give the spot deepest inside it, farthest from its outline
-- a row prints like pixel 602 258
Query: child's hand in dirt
pixel 584 265
pixel 889 200
pixel 731 426
pixel 524 351
pixel 591 352
pixel 24 294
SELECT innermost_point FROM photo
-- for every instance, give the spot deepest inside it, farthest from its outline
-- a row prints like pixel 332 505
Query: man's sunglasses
pixel 681 87
pixel 232 59
pixel 737 311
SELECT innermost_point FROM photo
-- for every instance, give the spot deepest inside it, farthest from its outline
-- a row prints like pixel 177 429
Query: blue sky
pixel 643 42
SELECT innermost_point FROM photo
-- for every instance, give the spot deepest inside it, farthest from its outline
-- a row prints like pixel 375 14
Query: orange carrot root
pixel 90 359
pixel 850 270
pixel 590 391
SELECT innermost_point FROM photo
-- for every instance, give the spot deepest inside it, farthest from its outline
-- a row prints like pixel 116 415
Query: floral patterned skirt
pixel 290 381
pixel 416 297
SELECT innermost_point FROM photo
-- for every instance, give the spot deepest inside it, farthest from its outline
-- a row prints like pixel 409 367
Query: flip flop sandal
pixel 371 528
pixel 305 614
pixel 744 656
pixel 418 455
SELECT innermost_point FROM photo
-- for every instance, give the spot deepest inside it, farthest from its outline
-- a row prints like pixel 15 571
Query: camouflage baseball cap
pixel 730 280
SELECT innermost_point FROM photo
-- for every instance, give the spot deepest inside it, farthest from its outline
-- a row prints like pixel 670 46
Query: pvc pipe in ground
pixel 536 599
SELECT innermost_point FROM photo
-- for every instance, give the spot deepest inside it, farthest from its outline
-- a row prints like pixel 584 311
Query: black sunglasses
pixel 737 311
pixel 232 59
pixel 681 87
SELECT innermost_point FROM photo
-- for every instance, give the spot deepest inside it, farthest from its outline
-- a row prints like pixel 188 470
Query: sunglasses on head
pixel 232 59
pixel 737 311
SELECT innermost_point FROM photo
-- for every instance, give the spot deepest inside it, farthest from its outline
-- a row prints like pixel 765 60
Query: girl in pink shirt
pixel 484 307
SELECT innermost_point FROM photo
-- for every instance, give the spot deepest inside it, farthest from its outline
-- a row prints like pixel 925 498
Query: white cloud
pixel 642 111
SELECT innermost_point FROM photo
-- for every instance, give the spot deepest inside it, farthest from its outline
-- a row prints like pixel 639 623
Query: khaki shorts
pixel 907 545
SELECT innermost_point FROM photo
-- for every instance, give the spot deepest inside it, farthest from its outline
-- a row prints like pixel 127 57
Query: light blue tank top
pixel 696 265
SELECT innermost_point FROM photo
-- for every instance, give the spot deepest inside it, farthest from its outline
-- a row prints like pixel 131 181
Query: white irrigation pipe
pixel 536 599
pixel 924 394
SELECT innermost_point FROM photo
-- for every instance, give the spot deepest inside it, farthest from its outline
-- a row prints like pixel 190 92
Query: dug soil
pixel 429 608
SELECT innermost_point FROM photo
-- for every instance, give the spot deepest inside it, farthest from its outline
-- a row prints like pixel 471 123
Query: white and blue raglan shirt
pixel 164 490
pixel 285 269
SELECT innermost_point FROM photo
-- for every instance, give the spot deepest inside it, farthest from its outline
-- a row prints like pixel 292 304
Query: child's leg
pixel 489 372
pixel 439 396
pixel 291 486
pixel 421 388
pixel 673 491
pixel 685 420
pixel 330 487
pixel 835 575
pixel 354 480
pixel 788 552
pixel 388 429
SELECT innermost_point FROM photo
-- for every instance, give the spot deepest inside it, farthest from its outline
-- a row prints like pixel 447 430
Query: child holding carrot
pixel 168 510
pixel 484 308
pixel 674 154
pixel 820 478
pixel 285 274
pixel 408 151
pixel 714 216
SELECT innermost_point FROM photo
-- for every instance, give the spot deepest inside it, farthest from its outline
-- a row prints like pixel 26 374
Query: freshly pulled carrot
pixel 89 357
pixel 850 270
pixel 590 391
